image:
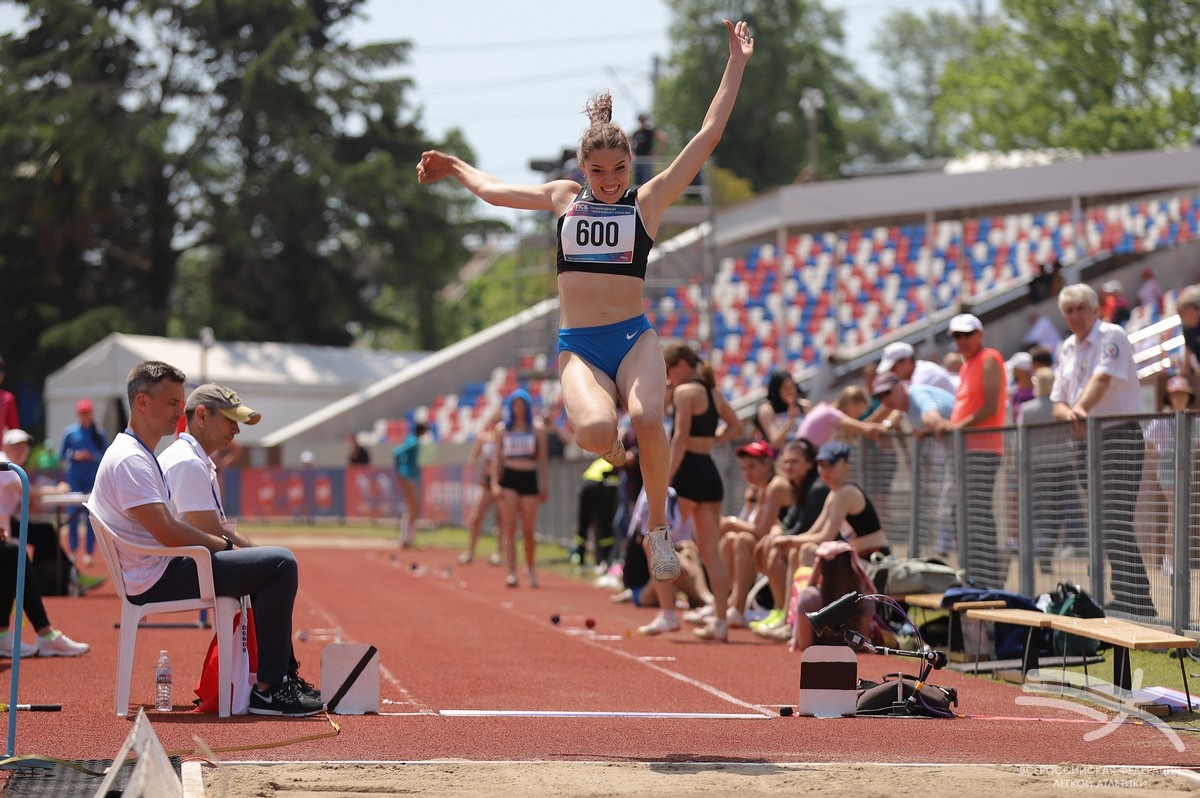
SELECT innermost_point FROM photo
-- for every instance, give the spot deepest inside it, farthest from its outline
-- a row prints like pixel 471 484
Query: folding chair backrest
pixel 108 547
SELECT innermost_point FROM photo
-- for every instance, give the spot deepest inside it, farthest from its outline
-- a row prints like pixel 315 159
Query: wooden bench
pixel 1031 619
pixel 933 601
pixel 1124 636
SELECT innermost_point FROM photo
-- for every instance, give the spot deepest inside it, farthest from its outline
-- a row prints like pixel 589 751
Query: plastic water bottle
pixel 162 683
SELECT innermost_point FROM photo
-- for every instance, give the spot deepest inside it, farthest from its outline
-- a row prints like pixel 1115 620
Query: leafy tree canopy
pixel 226 163
pixel 1091 75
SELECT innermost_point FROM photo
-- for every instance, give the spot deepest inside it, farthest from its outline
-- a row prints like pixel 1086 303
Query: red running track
pixel 454 638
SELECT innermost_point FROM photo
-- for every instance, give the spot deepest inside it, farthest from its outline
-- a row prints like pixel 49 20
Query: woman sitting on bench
pixel 846 504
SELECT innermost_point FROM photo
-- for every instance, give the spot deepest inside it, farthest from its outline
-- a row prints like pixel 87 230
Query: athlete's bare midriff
pixel 593 300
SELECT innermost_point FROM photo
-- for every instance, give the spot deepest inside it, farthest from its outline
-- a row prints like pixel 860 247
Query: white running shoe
pixel 713 630
pixel 664 562
pixel 59 645
pixel 660 625
pixel 735 618
pixel 6 647
pixel 616 455
pixel 701 615
pixel 781 633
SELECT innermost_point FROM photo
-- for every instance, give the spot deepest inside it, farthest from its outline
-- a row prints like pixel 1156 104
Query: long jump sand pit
pixel 684 780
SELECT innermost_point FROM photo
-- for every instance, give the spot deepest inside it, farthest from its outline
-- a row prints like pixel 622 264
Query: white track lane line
pixel 566 713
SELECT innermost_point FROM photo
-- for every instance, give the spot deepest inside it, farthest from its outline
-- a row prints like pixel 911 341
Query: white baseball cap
pixel 894 353
pixel 1022 361
pixel 965 323
pixel 14 436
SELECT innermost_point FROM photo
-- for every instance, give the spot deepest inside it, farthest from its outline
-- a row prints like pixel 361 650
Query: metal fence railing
pixel 1111 507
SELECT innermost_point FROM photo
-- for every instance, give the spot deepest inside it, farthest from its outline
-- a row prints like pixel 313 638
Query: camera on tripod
pixel 908 696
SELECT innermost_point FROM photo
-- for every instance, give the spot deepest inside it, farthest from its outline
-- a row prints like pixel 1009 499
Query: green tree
pixel 914 51
pixel 241 145
pixel 796 47
pixel 1091 75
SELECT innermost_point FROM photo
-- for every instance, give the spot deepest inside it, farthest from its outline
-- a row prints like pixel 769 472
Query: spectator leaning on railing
pixel 1096 375
pixel 981 402
pixel 1188 308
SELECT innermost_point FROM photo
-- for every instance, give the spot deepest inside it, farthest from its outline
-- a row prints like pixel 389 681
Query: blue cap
pixel 833 451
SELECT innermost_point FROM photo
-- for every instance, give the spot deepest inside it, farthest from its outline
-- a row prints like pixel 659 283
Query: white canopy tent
pixel 284 382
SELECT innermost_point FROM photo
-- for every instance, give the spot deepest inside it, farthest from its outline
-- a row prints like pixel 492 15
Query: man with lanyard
pixel 132 497
pixel 1096 376
pixel 213 413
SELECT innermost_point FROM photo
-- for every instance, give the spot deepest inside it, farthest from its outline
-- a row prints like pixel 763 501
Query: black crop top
pixel 866 522
pixel 603 238
pixel 705 424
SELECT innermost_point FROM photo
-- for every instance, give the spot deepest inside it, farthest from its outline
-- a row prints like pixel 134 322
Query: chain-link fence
pixel 1014 506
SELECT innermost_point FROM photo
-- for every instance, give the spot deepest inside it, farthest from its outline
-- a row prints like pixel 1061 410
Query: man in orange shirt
pixel 981 402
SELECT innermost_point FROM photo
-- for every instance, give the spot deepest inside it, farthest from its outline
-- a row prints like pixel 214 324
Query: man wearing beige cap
pixel 213 414
pixel 133 499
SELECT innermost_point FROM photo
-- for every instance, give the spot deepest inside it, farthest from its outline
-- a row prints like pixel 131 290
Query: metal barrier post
pixel 1095 500
pixel 1027 554
pixel 1181 587
pixel 914 499
pixel 960 457
pixel 22 542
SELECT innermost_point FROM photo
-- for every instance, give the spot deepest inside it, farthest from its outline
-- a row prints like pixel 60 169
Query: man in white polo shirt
pixel 1096 376
pixel 213 414
pixel 131 497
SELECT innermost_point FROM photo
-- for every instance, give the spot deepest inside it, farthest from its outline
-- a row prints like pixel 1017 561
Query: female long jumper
pixel 608 353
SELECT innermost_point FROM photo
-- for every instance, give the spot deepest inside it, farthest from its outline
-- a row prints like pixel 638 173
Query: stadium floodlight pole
pixel 207 339
pixel 811 101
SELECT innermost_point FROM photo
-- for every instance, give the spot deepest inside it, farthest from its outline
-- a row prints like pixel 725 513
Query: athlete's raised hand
pixel 434 166
pixel 740 42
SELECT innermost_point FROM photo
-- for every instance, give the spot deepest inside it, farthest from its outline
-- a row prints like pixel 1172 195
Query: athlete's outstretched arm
pixel 436 165
pixel 665 187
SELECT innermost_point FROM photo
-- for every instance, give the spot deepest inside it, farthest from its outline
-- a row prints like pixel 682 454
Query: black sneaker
pixel 306 688
pixel 286 699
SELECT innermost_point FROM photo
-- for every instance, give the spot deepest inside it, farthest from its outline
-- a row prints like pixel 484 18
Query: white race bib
pixel 598 232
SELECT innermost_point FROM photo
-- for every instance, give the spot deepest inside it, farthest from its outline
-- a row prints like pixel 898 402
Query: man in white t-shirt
pixel 131 497
pixel 1095 375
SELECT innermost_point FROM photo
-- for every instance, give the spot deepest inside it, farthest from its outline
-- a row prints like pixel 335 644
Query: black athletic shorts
pixel 698 479
pixel 525 483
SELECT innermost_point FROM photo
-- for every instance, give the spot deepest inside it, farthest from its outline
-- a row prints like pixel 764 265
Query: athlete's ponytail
pixel 675 352
pixel 601 134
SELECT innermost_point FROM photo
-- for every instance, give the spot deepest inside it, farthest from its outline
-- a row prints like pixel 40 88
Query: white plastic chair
pixel 224 608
